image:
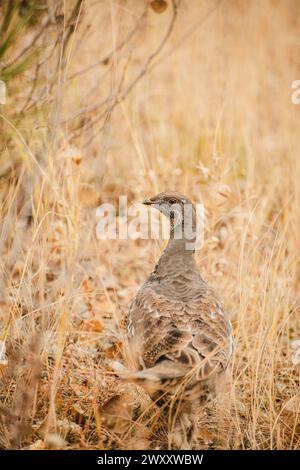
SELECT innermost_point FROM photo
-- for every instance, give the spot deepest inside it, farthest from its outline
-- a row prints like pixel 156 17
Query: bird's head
pixel 172 204
pixel 166 202
pixel 181 214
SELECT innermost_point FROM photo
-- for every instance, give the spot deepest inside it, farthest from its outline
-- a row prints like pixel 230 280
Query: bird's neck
pixel 176 256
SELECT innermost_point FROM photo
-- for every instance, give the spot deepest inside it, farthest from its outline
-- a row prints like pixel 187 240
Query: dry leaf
pixel 92 325
pixel 78 408
pixel 88 196
pixel 159 6
pixel 72 153
pixel 37 445
pixel 102 307
pixel 293 405
pixel 67 428
pixel 114 351
pixel 205 435
pixel 3 358
pixel 213 241
pixel 295 345
pixel 85 286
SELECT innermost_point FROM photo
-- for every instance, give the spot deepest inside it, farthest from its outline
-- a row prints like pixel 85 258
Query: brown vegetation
pixel 132 98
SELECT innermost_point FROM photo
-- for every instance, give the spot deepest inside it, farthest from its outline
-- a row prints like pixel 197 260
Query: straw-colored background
pixel 214 120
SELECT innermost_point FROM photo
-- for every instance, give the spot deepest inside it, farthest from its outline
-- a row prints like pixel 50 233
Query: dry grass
pixel 214 120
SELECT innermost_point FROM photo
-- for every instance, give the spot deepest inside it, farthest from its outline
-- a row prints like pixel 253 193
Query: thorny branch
pixel 65 24
pixel 29 46
pixel 105 60
pixel 111 101
pixel 116 98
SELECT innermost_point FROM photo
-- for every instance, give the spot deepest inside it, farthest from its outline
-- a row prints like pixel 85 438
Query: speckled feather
pixel 180 319
pixel 176 321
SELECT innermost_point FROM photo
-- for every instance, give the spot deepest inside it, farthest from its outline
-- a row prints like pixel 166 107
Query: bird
pixel 179 338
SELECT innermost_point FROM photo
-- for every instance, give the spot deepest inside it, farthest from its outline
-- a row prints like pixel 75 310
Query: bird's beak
pixel 147 202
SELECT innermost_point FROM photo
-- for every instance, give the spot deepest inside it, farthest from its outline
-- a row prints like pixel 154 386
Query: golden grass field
pixel 211 117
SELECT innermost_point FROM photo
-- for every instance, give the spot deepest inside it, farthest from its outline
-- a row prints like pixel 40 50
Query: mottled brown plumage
pixel 177 332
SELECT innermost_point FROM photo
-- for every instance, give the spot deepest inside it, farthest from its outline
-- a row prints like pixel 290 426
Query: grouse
pixel 178 336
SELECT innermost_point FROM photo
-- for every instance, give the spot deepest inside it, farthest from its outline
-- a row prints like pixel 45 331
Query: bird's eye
pixel 172 201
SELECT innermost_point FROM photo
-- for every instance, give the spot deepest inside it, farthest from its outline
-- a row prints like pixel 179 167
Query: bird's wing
pixel 191 334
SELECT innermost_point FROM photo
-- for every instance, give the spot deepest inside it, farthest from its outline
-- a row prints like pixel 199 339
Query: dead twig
pixel 105 60
pixel 120 95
